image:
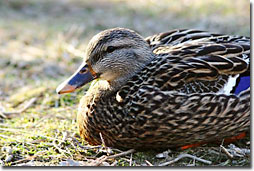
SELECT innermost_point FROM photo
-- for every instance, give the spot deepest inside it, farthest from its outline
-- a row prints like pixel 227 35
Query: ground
pixel 42 43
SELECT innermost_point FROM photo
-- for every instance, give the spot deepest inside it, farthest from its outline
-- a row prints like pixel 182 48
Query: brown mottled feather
pixel 173 101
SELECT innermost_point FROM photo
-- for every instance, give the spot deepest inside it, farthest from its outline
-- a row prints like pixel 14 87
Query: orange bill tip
pixel 65 88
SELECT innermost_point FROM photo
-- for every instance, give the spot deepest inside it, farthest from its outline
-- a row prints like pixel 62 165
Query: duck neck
pixel 98 89
pixel 103 88
pixel 132 70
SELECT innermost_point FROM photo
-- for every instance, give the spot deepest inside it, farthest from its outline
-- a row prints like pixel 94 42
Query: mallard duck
pixel 165 91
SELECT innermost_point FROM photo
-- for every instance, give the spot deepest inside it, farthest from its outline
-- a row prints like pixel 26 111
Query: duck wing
pixel 175 37
pixel 197 61
pixel 180 36
pixel 190 118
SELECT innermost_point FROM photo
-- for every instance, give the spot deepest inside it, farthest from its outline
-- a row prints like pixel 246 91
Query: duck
pixel 168 90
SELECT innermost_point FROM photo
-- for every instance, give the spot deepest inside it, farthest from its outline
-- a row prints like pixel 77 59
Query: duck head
pixel 113 55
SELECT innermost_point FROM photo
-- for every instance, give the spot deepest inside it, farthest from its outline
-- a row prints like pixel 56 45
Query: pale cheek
pixel 109 76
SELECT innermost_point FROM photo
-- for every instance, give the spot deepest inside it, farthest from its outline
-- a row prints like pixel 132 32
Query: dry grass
pixel 41 45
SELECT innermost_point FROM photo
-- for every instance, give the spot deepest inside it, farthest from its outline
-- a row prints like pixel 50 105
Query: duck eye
pixel 110 49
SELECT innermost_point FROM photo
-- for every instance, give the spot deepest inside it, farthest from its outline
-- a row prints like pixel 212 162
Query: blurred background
pixel 42 43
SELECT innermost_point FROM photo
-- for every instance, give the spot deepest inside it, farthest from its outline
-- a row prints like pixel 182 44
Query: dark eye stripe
pixel 110 49
pixel 95 58
pixel 100 54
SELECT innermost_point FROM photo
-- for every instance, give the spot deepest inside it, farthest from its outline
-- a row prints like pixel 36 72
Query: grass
pixel 42 43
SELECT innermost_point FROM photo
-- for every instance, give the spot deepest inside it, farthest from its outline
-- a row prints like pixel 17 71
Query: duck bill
pixel 82 76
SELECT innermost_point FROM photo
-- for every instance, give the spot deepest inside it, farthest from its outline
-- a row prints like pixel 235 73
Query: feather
pixel 195 89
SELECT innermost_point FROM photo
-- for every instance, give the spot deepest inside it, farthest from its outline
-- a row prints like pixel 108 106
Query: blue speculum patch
pixel 243 84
